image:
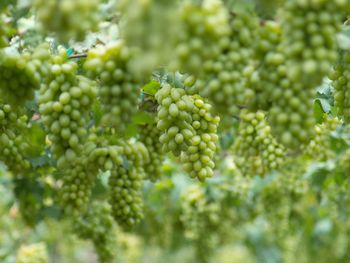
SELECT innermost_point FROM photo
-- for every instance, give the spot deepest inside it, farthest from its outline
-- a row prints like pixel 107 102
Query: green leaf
pixel 318 111
pixel 151 88
pixel 143 117
pixel 178 80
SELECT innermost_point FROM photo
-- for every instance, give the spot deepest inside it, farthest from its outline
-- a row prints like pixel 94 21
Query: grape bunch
pixel 97 225
pixel 77 185
pixel 263 75
pixel 34 253
pixel 200 219
pixel 12 142
pixel 187 129
pixel 221 82
pixel 65 103
pixel 291 114
pixel 150 27
pixel 18 77
pixel 149 136
pixel 118 91
pixel 202 26
pixel 126 183
pixel 309 30
pixel 341 83
pixel 68 19
pixel 319 148
pixel 256 150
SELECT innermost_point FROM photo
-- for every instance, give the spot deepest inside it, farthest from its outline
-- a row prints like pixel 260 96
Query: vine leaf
pixel 151 87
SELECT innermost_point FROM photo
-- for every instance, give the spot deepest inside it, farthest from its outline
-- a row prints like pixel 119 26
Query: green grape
pixel 319 148
pixel 65 103
pixel 18 77
pixel 118 89
pixel 309 37
pixel 149 135
pixel 202 26
pixel 68 19
pixel 126 183
pixel 98 226
pixel 222 80
pixel 187 129
pixel 34 253
pixel 256 150
pixel 341 83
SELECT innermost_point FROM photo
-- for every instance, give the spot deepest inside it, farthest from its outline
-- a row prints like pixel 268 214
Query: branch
pixel 82 55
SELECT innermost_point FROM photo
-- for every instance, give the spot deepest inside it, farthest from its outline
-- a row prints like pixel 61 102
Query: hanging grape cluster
pixel 201 219
pixel 18 77
pixel 222 78
pixel 98 226
pixel 264 75
pixel 68 19
pixel 309 43
pixel 202 25
pixel 341 83
pixel 126 183
pixel 256 150
pixel 188 129
pixel 319 148
pixel 149 136
pixel 150 27
pixel 11 141
pixel 65 102
pixel 118 91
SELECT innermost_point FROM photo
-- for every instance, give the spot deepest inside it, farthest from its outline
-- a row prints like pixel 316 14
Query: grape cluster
pixel 150 27
pixel 68 19
pixel 202 25
pixel 119 91
pixel 222 80
pixel 18 77
pixel 200 219
pixel 97 225
pixel 149 136
pixel 11 141
pixel 188 129
pixel 341 83
pixel 319 148
pixel 65 102
pixel 262 76
pixel 126 183
pixel 77 184
pixel 256 150
pixel 309 31
pixel 35 253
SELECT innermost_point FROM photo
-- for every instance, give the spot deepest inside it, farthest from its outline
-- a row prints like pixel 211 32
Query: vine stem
pixel 82 55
